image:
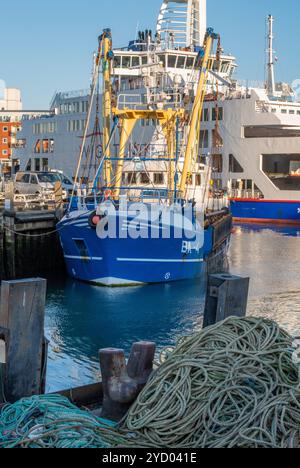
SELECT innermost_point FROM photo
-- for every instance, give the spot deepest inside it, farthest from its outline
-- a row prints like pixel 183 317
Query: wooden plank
pixel 22 312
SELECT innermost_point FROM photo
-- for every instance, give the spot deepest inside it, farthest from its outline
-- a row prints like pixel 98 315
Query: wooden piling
pixel 227 296
pixel 22 315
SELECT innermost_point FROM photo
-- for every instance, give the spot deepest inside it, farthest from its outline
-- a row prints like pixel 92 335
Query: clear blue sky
pixel 47 45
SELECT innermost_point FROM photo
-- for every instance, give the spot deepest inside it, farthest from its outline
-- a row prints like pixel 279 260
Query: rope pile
pixel 231 385
pixel 50 422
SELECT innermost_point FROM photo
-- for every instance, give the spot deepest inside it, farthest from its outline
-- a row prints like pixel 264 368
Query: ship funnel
pixel 182 23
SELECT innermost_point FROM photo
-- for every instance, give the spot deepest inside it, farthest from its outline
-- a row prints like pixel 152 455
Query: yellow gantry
pixel 129 118
pixel 107 48
pixel 193 138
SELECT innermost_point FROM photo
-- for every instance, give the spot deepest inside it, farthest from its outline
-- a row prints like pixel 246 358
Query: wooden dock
pixel 29 243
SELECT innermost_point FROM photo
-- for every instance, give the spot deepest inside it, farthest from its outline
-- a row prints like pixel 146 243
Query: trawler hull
pixel 126 261
pixel 266 211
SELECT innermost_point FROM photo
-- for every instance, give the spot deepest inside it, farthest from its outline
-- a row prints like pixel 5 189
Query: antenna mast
pixel 270 64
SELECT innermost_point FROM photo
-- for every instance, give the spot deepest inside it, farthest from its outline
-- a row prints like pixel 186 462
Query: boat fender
pixel 94 219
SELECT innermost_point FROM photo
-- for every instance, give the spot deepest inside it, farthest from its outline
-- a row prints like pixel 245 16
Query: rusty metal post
pixel 140 363
pixel 122 384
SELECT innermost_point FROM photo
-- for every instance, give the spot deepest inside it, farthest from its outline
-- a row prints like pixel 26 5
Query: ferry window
pixel 181 62
pixel 205 115
pixel 217 162
pixel 198 180
pixel 203 138
pixel 145 178
pixel 125 62
pixel 172 61
pixel 291 112
pixel 135 61
pixel 158 178
pixel 217 113
pixel 283 111
pixel 190 63
pixel 117 61
pixel 144 60
pixel 298 112
pixel 274 110
pixel 131 179
pixel 234 165
pixel 162 59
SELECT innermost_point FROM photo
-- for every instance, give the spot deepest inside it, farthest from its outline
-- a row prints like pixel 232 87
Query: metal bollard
pixel 121 383
pixel 227 296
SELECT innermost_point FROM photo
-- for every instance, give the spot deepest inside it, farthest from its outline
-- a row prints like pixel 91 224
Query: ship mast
pixel 193 136
pixel 270 63
pixel 107 56
pixel 182 23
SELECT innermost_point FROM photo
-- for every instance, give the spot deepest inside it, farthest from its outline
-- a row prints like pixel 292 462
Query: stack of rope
pixel 231 385
pixel 51 422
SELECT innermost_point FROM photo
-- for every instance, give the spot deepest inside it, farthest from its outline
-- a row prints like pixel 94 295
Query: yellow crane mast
pixel 193 137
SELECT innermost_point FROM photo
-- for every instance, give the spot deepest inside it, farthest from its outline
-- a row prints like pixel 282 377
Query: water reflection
pixel 81 318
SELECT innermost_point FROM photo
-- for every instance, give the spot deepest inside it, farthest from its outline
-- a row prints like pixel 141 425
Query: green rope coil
pixel 50 422
pixel 231 385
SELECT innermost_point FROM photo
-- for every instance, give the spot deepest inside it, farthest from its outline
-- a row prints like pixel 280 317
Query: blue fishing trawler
pixel 120 234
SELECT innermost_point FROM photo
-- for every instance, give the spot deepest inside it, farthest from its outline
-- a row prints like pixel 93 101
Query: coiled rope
pixel 50 422
pixel 231 385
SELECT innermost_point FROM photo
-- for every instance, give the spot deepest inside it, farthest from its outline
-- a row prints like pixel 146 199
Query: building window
pixel 37 165
pixel 37 148
pixel 5 141
pixel 131 178
pixel 5 129
pixel 4 152
pixel 45 164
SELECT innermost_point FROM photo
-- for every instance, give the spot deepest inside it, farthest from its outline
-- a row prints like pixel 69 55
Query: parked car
pixel 40 183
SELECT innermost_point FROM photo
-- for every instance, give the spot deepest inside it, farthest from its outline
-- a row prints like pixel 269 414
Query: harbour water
pixel 81 318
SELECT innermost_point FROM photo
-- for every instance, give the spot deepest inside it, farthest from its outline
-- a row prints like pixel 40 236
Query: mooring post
pixel 140 363
pixel 119 390
pixel 227 296
pixel 22 313
pixel 121 383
